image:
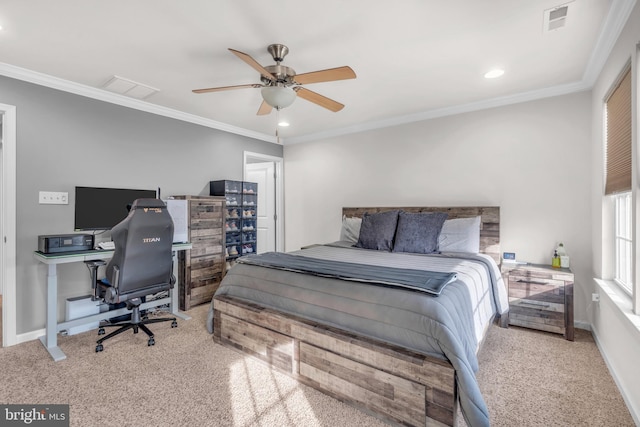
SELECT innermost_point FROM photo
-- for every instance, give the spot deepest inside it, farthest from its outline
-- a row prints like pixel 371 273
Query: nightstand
pixel 540 297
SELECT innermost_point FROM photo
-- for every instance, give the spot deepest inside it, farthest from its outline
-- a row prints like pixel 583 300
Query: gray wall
pixel 64 140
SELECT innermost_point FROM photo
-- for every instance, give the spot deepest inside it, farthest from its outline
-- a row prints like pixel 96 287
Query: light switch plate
pixel 53 198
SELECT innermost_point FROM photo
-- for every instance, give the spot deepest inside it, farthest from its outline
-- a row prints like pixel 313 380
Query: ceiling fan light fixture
pixel 278 96
pixel 496 72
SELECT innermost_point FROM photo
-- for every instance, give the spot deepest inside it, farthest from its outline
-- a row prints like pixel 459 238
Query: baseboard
pixel 635 411
pixel 582 325
pixel 30 336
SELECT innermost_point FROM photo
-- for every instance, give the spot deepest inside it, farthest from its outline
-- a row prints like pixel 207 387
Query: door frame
pixel 279 205
pixel 8 225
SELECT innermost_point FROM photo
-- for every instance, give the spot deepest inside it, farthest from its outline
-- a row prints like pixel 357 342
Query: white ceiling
pixel 414 59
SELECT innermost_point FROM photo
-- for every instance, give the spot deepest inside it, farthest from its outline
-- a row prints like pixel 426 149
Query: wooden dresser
pixel 540 297
pixel 201 269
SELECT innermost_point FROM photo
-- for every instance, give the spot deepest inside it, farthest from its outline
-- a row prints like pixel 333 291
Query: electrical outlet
pixel 595 297
pixel 53 198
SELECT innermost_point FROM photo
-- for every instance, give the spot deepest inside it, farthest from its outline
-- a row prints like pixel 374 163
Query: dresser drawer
pixel 208 267
pixel 206 246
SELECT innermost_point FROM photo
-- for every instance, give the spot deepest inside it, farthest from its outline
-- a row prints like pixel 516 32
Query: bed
pixel 406 355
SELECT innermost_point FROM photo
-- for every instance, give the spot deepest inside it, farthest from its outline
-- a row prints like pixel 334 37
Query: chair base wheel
pixel 99 348
pixel 101 331
pixel 174 324
pixel 151 342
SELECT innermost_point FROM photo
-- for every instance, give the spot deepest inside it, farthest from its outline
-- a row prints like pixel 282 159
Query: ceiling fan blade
pixel 318 99
pixel 220 89
pixel 332 74
pixel 264 109
pixel 253 63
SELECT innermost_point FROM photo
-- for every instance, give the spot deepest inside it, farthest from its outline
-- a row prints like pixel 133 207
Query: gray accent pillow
pixel 418 232
pixel 377 230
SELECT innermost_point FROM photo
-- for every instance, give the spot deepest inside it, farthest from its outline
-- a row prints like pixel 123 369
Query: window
pixel 623 241
pixel 618 167
pixel 617 113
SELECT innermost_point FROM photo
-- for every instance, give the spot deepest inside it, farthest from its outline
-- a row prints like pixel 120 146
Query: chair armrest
pixel 93 269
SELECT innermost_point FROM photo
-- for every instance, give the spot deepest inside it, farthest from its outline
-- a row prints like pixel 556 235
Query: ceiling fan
pixel 280 84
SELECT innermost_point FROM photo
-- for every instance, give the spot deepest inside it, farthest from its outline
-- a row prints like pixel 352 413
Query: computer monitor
pixel 102 208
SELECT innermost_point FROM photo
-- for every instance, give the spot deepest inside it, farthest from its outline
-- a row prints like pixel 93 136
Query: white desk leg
pixel 50 339
pixel 175 304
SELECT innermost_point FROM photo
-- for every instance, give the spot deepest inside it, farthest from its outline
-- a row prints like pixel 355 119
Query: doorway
pixel 8 223
pixel 267 172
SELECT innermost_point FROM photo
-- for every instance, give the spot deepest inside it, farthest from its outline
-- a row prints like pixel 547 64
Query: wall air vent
pixel 556 17
pixel 129 88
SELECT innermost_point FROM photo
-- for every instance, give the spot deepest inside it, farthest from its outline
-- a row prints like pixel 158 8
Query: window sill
pixel 621 300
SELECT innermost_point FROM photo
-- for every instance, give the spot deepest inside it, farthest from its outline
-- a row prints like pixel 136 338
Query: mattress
pixel 449 326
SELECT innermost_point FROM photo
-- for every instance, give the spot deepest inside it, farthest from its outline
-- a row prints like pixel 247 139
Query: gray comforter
pixel 448 326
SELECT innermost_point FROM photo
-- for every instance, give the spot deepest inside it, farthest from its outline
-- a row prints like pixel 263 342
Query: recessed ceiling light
pixel 496 72
pixel 283 124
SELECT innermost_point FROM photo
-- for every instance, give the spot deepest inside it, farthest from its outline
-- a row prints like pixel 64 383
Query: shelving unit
pixel 240 217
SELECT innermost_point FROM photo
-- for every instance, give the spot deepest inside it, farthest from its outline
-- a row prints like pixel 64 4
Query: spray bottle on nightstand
pixel 555 261
pixel 562 253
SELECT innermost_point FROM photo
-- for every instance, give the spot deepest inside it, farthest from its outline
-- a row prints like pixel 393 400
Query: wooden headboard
pixel 489 221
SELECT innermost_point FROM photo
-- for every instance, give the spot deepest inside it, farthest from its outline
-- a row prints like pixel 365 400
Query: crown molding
pixel 443 112
pixel 46 80
pixel 612 27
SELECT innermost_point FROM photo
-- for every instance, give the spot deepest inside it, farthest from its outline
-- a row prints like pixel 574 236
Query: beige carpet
pixel 528 378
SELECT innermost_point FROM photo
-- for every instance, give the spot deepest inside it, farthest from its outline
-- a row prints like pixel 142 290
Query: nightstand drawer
pixel 534 318
pixel 536 304
pixel 544 290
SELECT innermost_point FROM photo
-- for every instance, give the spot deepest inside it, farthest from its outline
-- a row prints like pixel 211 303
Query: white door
pixel 264 174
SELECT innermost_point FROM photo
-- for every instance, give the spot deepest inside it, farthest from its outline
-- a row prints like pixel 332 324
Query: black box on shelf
pixel 224 187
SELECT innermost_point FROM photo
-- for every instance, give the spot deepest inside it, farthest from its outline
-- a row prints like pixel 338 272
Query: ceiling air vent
pixel 556 17
pixel 129 88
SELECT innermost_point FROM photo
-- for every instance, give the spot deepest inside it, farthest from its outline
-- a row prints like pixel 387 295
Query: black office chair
pixel 142 265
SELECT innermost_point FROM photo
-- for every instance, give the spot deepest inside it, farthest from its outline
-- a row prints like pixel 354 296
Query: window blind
pixel 618 134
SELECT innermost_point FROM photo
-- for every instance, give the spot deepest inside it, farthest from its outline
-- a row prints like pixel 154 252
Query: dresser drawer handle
pixel 533 282
pixel 537 304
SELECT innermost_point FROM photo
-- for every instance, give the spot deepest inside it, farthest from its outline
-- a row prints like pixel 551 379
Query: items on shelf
pixel 240 217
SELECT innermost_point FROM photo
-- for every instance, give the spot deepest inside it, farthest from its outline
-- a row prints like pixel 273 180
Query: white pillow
pixel 460 235
pixel 350 229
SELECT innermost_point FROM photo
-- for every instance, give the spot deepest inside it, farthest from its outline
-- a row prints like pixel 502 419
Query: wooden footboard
pixel 391 382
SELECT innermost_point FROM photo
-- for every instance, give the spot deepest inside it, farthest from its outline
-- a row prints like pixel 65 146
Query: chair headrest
pixel 147 203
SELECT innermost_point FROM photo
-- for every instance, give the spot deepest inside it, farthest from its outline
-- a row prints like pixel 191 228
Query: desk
pixel 50 339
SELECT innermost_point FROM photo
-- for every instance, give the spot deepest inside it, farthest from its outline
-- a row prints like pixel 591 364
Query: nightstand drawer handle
pixel 533 282
pixel 537 304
